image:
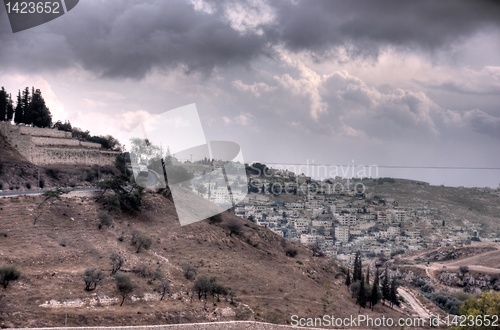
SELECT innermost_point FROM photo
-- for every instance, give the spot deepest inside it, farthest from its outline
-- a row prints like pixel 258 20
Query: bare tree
pixel 92 278
pixel 163 288
pixel 124 285
pixel 117 262
pixel 50 194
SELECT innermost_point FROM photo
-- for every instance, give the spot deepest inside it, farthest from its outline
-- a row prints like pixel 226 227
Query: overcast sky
pixel 399 83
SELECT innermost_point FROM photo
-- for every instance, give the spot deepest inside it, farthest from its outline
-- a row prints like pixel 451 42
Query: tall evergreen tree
pixel 10 109
pixel 393 293
pixel 375 293
pixel 39 113
pixel 348 278
pixel 3 104
pixel 355 270
pixel 19 111
pixel 367 276
pixel 361 299
pixel 26 100
pixel 386 289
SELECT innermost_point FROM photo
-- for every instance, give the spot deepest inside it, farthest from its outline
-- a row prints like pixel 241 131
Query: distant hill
pixel 456 205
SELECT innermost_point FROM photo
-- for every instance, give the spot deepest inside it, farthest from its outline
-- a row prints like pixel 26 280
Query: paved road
pixel 414 303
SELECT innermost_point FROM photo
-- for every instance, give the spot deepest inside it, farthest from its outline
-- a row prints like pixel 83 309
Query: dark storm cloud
pixel 363 26
pixel 127 39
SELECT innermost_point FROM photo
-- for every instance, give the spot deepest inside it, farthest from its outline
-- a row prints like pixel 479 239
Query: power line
pixel 388 166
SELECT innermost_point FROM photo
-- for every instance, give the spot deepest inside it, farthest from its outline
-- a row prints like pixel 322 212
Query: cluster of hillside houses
pixel 342 222
pixel 335 216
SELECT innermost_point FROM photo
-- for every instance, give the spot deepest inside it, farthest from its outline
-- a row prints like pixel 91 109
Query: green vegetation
pixel 92 277
pixel 6 106
pixel 207 285
pixel 8 274
pixel 448 302
pixel 485 304
pixel 104 219
pixel 124 285
pixel 128 201
pixel 189 271
pixel 141 241
pixel 117 262
pixel 30 108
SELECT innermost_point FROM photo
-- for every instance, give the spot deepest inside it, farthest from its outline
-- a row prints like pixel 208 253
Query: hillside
pixel 456 205
pixel 53 254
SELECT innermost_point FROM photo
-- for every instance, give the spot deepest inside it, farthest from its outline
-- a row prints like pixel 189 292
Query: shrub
pixel 142 271
pixel 104 219
pixel 28 185
pixel 215 219
pixel 53 173
pixel 41 183
pixel 117 262
pixel 141 241
pixel 291 252
pixel 91 175
pixel 234 228
pixel 449 303
pixel 189 271
pixel 8 274
pixel 92 277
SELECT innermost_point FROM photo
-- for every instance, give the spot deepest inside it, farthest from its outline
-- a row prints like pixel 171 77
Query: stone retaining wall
pixel 36 131
pixel 46 141
pixel 43 146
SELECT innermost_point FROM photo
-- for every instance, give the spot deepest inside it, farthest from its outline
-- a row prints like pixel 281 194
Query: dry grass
pixel 53 254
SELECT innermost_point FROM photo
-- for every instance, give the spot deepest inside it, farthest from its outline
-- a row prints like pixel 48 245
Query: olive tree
pixel 117 262
pixel 92 277
pixel 141 241
pixel 124 285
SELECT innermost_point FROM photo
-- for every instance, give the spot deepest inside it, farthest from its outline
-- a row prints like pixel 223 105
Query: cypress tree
pixel 357 272
pixel 19 112
pixel 26 100
pixel 361 300
pixel 393 293
pixel 3 104
pixel 40 114
pixel 348 278
pixel 368 276
pixel 386 290
pixel 375 293
pixel 10 109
